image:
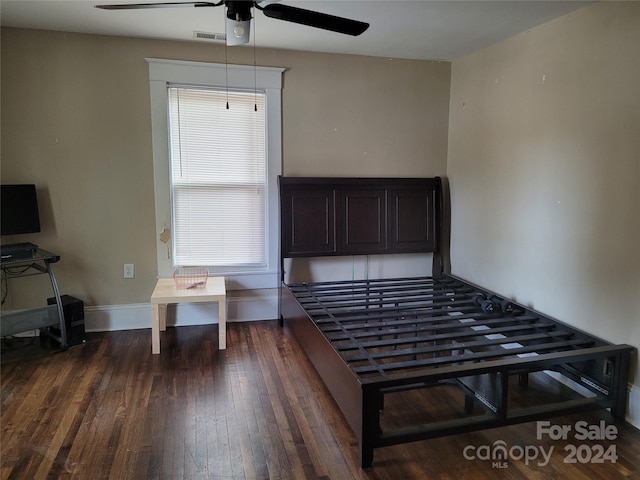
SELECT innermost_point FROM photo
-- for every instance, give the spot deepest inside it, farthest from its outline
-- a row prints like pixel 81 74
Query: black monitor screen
pixel 19 209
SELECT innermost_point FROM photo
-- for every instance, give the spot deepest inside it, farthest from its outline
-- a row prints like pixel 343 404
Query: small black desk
pixel 40 262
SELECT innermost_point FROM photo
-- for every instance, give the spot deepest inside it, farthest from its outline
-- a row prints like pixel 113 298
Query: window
pixel 187 181
pixel 218 177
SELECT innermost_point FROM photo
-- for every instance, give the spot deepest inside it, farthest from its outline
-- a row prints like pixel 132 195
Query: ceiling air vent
pixel 212 37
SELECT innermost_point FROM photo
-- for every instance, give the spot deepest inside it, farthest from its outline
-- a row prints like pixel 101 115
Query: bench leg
pixel 155 328
pixel 163 317
pixel 222 324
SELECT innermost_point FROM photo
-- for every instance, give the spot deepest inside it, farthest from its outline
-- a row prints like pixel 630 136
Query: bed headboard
pixel 321 216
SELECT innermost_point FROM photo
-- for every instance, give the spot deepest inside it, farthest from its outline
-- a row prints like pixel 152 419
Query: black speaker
pixel 73 310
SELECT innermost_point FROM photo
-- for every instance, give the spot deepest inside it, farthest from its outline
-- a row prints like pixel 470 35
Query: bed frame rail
pixel 488 385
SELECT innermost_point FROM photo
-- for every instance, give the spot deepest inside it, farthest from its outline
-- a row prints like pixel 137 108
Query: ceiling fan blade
pixel 135 6
pixel 315 19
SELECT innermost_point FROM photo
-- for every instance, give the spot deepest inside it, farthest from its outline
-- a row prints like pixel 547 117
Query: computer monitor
pixel 18 210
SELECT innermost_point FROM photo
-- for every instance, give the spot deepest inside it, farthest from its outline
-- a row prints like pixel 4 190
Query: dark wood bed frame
pixel 371 338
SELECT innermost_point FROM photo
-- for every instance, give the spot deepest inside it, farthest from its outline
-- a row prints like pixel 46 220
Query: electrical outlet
pixel 128 270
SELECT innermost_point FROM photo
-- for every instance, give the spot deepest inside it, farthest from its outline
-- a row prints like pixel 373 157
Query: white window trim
pixel 268 79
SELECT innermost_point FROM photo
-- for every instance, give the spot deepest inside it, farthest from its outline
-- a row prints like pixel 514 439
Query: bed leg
pixel 366 457
pixel 372 401
pixel 620 389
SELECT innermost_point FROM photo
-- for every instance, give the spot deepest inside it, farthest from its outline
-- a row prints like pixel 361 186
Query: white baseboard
pixel 109 318
pixel 260 305
pixel 633 409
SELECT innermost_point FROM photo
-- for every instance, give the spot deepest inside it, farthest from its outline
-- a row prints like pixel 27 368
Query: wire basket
pixel 186 278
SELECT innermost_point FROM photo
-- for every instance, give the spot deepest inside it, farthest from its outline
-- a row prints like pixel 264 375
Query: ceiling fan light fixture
pixel 238 22
pixel 238 31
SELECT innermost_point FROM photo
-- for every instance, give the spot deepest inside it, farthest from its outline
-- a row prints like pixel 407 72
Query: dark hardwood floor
pixel 109 409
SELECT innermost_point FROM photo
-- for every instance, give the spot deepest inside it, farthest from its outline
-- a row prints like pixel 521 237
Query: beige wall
pixel 544 168
pixel 76 121
pixel 364 116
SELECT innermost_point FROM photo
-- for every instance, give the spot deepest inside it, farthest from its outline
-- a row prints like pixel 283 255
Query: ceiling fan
pixel 239 16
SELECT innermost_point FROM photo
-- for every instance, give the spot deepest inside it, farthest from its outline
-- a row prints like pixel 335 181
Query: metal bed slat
pixel 422 315
pixel 474 357
pixel 399 309
pixel 370 287
pixel 456 346
pixel 374 299
pixel 435 338
pixel 391 312
pixel 426 325
pixel 377 286
pixel 375 282
pixel 390 295
pixel 387 289
pixel 394 313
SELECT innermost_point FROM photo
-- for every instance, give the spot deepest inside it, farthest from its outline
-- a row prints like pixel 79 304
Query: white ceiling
pixel 418 29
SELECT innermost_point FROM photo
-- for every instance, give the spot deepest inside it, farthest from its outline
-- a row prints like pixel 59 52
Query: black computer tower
pixel 73 310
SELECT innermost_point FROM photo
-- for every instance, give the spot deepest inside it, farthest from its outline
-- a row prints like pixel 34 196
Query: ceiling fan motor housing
pixel 239 10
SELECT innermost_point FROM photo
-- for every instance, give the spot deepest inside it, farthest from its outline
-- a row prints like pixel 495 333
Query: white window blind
pixel 218 177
